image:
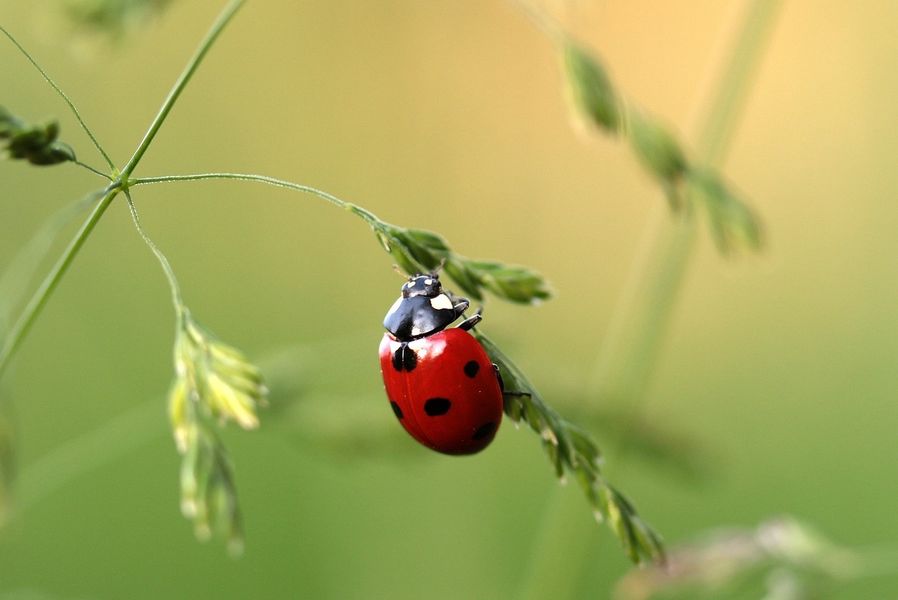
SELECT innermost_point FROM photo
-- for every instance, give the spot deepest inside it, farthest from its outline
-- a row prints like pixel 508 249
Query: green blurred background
pixel 780 367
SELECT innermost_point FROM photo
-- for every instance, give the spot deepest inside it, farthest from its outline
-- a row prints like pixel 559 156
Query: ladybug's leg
pixel 470 322
pixel 502 385
pixel 460 307
pixel 499 377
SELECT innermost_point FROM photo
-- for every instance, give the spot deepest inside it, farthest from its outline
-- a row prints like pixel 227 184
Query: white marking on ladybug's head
pixel 416 331
pixel 441 302
pixel 422 285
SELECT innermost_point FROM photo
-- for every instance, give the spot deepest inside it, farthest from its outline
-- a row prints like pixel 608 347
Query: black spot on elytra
pixel 484 430
pixel 471 368
pixel 396 410
pixel 435 407
pixel 404 358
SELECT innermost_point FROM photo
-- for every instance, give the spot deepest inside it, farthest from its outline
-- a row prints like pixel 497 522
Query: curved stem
pixel 177 300
pixel 245 177
pixel 367 216
pixel 65 98
pixel 39 298
pixel 181 83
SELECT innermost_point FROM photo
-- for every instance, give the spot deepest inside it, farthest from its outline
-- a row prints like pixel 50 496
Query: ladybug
pixel 442 385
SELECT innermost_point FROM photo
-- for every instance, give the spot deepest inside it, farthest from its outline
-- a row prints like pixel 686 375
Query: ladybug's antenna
pixel 438 268
pixel 399 272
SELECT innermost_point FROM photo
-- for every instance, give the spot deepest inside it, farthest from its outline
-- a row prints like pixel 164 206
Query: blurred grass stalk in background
pixel 782 557
pixel 630 351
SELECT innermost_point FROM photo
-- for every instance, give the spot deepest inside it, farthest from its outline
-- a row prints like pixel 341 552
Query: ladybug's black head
pixel 422 285
pixel 422 309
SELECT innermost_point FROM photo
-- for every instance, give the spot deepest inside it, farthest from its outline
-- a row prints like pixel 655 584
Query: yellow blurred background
pixel 780 367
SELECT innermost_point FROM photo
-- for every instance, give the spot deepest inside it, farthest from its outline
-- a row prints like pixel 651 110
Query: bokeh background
pixel 778 368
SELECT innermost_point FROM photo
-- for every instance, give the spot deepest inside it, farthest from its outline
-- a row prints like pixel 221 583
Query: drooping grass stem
pixel 244 177
pixel 364 214
pixel 174 286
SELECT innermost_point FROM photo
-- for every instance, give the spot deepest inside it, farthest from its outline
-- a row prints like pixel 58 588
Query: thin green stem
pixel 65 98
pixel 39 298
pixel 192 65
pixel 367 216
pixel 93 170
pixel 245 177
pixel 177 300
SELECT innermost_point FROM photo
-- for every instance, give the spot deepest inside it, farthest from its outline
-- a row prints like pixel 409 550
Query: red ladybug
pixel 441 383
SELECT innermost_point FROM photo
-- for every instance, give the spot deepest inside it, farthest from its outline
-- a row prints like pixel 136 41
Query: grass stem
pixel 367 216
pixel 40 297
pixel 244 177
pixel 173 285
pixel 92 170
pixel 59 91
pixel 182 81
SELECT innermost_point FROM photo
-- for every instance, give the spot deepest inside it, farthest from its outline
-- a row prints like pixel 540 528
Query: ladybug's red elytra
pixel 442 385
